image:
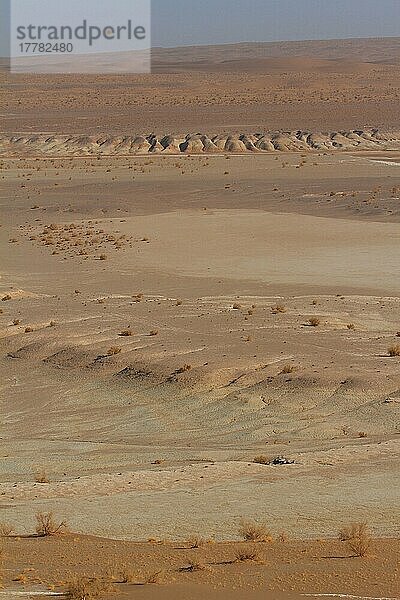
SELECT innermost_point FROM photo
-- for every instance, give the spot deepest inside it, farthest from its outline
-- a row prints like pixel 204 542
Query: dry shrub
pixel 86 588
pixel 357 538
pixel 124 575
pixel 183 369
pixel 351 326
pixel 261 460
pixel 153 332
pixel 287 369
pixel 16 322
pixel 237 306
pixel 125 333
pixel 196 541
pixel 283 537
pixel 103 257
pixel 41 477
pixel 314 321
pixel 394 350
pixel 156 577
pixel 278 308
pixel 194 565
pixel 113 350
pixel 46 525
pixel 251 531
pixel 6 529
pixel 28 329
pixel 247 554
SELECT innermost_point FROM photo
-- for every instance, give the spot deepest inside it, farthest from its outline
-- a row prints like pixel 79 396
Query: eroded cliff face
pixel 295 141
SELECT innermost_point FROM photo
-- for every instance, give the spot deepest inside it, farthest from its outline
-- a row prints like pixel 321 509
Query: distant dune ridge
pixel 301 55
pixel 84 145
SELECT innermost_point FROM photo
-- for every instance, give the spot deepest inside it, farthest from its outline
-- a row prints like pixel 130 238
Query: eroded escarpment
pixel 104 145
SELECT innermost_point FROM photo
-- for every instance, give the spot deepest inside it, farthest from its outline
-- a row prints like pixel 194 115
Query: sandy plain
pixel 156 339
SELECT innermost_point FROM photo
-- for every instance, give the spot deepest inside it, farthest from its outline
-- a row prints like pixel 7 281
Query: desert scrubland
pixel 194 341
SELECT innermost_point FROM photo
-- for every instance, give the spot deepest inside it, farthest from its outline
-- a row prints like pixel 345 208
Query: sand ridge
pixel 105 145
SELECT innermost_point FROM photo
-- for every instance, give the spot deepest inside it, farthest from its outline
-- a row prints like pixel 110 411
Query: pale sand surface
pixel 322 240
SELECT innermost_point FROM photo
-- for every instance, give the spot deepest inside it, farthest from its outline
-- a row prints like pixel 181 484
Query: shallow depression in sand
pixel 272 248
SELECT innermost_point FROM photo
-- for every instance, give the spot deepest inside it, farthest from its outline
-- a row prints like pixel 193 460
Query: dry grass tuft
pixel 46 525
pixel 314 321
pixel 357 538
pixel 194 565
pixel 261 460
pixel 125 333
pixel 251 531
pixel 287 369
pixel 6 529
pixel 125 575
pixel 196 541
pixel 247 554
pixel 86 588
pixel 157 577
pixel 183 369
pixel 394 350
pixel 113 351
pixel 278 308
pixel 282 537
pixel 41 477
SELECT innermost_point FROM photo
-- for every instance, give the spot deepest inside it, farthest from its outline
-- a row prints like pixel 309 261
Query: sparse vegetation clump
pixel 126 333
pixel 314 321
pixel 196 541
pixel 194 565
pixel 6 529
pixel 287 369
pixel 156 578
pixel 261 460
pixel 183 369
pixel 394 350
pixel 113 351
pixel 250 554
pixel 41 477
pixel 252 531
pixel 278 309
pixel 357 538
pixel 86 588
pixel 46 525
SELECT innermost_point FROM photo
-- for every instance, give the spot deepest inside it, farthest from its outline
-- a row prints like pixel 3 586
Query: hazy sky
pixel 183 22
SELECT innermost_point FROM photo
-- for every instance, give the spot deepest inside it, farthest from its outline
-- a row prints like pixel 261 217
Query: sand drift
pixel 104 145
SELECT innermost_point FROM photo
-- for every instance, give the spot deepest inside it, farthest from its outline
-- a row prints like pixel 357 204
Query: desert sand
pixel 173 322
